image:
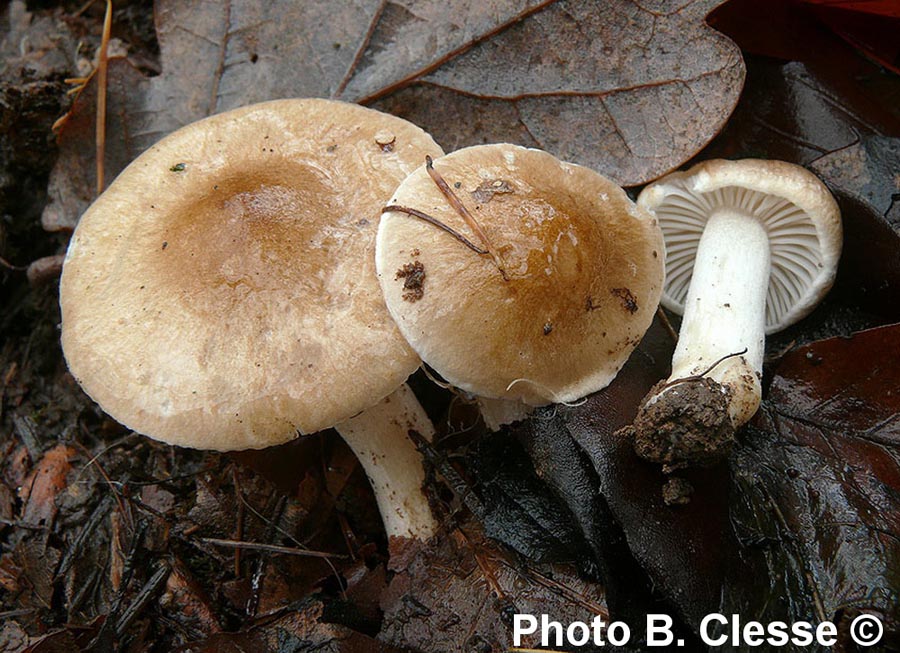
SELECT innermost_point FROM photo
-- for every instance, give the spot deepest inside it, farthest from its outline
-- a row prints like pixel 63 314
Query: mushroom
pixel 752 246
pixel 221 294
pixel 518 277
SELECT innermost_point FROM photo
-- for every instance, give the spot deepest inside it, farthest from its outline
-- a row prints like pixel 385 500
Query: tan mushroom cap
pixel 585 268
pixel 221 294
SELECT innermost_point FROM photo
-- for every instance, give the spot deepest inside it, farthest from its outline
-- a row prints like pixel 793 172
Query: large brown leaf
pixel 815 502
pixel 460 593
pixel 629 89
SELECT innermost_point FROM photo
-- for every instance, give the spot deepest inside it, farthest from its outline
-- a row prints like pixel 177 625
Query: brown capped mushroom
pixel 752 247
pixel 221 294
pixel 517 276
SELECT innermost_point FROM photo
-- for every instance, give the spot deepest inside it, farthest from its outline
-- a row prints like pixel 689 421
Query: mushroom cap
pixel 801 218
pixel 584 268
pixel 221 294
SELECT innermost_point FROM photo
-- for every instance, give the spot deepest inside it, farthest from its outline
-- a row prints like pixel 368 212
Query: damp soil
pixel 687 426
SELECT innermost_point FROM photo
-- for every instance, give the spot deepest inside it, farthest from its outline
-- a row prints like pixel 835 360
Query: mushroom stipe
pixel 752 247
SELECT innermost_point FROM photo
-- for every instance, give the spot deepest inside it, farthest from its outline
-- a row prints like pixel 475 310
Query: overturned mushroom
pixel 752 246
pixel 537 277
pixel 221 294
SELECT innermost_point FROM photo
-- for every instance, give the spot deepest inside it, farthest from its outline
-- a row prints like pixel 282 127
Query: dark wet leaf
pixel 571 480
pixel 872 27
pixel 816 505
pixel 520 511
pixel 290 631
pixel 863 168
pixel 804 521
pixel 633 91
pixel 679 549
pixel 462 592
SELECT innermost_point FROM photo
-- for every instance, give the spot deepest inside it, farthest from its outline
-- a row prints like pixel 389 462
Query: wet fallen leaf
pixel 619 86
pixel 680 550
pixel 299 629
pixel 193 611
pixel 461 594
pixel 39 491
pixel 870 26
pixel 26 573
pixel 518 509
pixel 815 503
pixel 630 90
pixel 864 168
pixel 803 522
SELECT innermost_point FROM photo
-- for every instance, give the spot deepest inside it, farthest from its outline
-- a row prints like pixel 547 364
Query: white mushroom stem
pixel 725 311
pixel 499 412
pixel 379 438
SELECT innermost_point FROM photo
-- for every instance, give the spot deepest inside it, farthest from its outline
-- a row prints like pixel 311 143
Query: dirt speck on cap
pixel 413 275
pixel 629 302
pixel 486 191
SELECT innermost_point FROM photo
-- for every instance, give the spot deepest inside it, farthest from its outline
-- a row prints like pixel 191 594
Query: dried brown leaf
pixel 631 89
pixel 45 482
pixel 626 89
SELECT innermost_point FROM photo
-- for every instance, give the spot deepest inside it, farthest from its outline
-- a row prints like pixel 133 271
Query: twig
pixel 10 266
pixel 21 524
pixel 270 525
pixel 271 548
pixel 102 66
pixel 146 593
pixel 460 208
pixel 661 314
pixel 562 590
pixel 466 494
pixel 98 515
pixel 437 223
pixel 9 614
pixel 239 522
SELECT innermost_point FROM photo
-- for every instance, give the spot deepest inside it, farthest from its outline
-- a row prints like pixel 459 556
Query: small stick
pixel 457 204
pixel 102 66
pixel 6 264
pixel 144 596
pixel 437 223
pixel 661 314
pixel 271 548
pixel 239 522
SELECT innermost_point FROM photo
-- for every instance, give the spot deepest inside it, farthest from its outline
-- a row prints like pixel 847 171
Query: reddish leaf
pixel 871 26
pixel 816 506
pixel 45 482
